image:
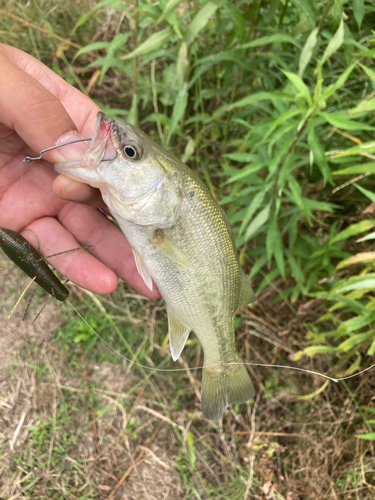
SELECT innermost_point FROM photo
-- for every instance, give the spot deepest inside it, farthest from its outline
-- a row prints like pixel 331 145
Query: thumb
pixel 34 113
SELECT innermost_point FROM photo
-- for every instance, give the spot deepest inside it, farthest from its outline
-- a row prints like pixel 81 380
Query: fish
pixel 22 253
pixel 182 241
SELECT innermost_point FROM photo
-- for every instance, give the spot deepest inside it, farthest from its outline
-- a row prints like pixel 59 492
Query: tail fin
pixel 221 388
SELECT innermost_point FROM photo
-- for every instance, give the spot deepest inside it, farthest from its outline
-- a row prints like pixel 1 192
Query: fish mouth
pixel 104 143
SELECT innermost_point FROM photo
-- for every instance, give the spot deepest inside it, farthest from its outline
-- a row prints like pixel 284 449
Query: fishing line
pixel 312 372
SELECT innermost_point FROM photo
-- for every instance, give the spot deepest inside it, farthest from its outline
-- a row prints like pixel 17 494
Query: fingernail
pixel 75 191
pixel 70 151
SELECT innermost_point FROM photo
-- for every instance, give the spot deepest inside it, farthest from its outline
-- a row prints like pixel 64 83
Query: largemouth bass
pixel 182 240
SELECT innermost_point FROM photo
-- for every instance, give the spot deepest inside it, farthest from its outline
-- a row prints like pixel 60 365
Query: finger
pixel 91 227
pixel 30 104
pixel 50 237
pixel 71 190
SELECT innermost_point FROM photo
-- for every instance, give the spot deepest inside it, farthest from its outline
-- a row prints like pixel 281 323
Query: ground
pixel 77 422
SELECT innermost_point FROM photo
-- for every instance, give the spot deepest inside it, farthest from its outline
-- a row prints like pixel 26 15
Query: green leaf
pixel 282 119
pixel 366 147
pixel 319 155
pixel 353 340
pixel 359 258
pixel 182 63
pixel 299 85
pixel 353 229
pixel 370 436
pixel 245 171
pixel 253 207
pixel 363 168
pixel 369 72
pixel 343 123
pixel 371 351
pixel 366 105
pixel 359 11
pixel 276 38
pixel 237 18
pixel 307 51
pixel 339 83
pixel 359 283
pixel 370 236
pixel 308 7
pixel 258 222
pixel 178 110
pixel 370 195
pixel 90 47
pixel 335 43
pixel 259 97
pixel 169 7
pixel 315 393
pixel 317 349
pixel 200 21
pixel 153 43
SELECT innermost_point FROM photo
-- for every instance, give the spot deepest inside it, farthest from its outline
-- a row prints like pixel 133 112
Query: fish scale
pixel 181 240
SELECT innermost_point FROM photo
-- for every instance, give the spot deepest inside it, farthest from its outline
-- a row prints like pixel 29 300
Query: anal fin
pixel 142 269
pixel 178 334
pixel 246 292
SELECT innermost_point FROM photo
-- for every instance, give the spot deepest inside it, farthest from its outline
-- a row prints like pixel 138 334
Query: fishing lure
pixel 22 253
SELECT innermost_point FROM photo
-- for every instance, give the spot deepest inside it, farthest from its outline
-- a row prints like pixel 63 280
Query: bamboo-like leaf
pixel 299 85
pixel 253 207
pixel 353 229
pixel 366 147
pixel 169 7
pixel 319 155
pixel 317 349
pixel 359 11
pixel 339 83
pixel 182 63
pixel 258 222
pixel 370 195
pixel 360 337
pixel 335 43
pixel 237 17
pixel 315 393
pixel 343 123
pixel 362 168
pixel 265 40
pixel 369 72
pixel 259 97
pixel 357 259
pixel 153 43
pixel 200 21
pixel 359 283
pixel 370 236
pixel 370 436
pixel 307 51
pixel 367 105
pixel 90 47
pixel 178 110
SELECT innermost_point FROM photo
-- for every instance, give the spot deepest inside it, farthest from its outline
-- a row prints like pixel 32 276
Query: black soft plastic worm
pixel 22 253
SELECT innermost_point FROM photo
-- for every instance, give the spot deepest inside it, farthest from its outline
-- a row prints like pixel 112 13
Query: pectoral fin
pixel 246 292
pixel 178 334
pixel 142 269
pixel 170 249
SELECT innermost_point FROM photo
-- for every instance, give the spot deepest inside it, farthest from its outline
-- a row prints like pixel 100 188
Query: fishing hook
pixel 28 159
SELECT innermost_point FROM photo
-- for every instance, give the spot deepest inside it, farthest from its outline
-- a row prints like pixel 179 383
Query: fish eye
pixel 132 151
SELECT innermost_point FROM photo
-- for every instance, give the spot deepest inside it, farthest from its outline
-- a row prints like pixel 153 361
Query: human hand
pixel 36 108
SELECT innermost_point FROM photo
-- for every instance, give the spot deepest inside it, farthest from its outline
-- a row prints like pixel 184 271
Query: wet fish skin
pixel 181 239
